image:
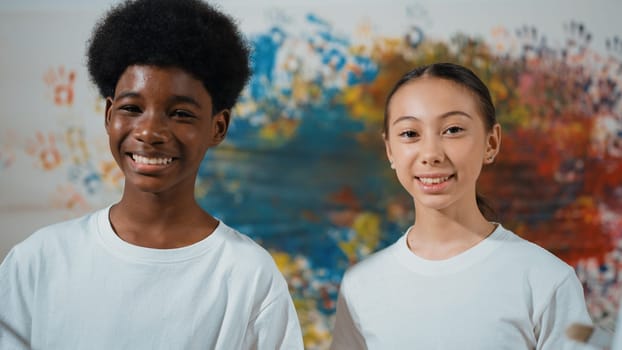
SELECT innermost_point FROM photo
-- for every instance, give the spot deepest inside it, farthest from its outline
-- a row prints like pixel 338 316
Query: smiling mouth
pixel 151 161
pixel 433 180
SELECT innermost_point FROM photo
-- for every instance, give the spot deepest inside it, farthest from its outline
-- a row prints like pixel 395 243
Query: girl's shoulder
pixel 379 263
pixel 536 263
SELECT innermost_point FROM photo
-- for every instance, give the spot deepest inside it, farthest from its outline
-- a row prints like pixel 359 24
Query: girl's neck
pixel 438 235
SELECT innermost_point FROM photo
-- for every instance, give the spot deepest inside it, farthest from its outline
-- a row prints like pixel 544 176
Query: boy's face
pixel 160 125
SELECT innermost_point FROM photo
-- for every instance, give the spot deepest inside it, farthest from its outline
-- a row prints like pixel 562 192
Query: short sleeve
pixel 566 306
pixel 346 334
pixel 15 295
pixel 276 326
pixel 617 335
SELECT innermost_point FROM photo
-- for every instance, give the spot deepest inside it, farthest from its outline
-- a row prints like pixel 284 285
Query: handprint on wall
pixel 7 152
pixel 531 42
pixel 110 174
pixel 577 41
pixel 77 145
pixel 45 150
pixel 502 41
pixel 61 82
pixel 68 197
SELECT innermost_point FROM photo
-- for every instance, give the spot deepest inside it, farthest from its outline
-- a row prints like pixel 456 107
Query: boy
pixel 153 271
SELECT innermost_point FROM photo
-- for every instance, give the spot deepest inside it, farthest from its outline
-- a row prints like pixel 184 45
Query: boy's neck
pixel 161 223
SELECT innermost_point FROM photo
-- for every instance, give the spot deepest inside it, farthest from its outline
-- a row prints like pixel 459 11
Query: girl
pixel 454 280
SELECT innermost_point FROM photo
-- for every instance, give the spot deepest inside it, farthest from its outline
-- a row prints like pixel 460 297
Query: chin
pixel 438 203
pixel 147 186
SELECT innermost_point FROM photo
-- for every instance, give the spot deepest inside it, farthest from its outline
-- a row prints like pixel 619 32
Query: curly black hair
pixel 187 34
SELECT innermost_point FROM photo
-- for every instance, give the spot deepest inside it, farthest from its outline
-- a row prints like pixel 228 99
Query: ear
pixel 493 144
pixel 220 125
pixel 387 148
pixel 108 113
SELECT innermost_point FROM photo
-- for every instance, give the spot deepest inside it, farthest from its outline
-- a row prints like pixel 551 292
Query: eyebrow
pixel 175 98
pixel 186 99
pixel 126 94
pixel 442 116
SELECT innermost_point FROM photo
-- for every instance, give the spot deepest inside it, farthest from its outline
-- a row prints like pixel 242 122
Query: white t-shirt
pixel 77 285
pixel 504 293
pixel 617 336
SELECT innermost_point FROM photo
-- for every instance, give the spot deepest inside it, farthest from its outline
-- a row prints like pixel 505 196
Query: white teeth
pixel 151 161
pixel 433 180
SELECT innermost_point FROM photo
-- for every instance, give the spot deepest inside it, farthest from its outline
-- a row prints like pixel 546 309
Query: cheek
pixel 118 126
pixel 468 157
pixel 403 161
pixel 118 131
pixel 193 141
pixel 191 136
pixel 402 153
pixel 404 177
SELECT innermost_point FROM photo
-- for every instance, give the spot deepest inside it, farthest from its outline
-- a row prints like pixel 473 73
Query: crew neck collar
pixel 115 245
pixel 453 264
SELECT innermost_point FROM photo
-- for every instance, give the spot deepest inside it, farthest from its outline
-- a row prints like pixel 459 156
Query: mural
pixel 303 170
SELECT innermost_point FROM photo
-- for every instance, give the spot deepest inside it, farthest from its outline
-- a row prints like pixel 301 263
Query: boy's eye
pixel 182 114
pixel 408 134
pixel 130 108
pixel 453 130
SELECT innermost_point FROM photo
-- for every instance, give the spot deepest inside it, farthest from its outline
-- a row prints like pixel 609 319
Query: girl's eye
pixel 453 130
pixel 409 134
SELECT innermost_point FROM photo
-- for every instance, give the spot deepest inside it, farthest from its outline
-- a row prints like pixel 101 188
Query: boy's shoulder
pixel 66 232
pixel 243 247
pixel 247 263
pixel 66 240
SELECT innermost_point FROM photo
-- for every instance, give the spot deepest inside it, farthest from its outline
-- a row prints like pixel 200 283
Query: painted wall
pixel 303 170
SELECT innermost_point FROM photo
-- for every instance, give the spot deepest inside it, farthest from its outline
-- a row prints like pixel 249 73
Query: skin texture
pixel 436 131
pixel 166 115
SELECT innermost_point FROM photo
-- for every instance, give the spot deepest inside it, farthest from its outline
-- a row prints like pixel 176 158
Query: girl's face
pixel 437 142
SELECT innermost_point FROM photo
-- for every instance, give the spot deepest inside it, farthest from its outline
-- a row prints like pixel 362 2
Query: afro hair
pixel 187 34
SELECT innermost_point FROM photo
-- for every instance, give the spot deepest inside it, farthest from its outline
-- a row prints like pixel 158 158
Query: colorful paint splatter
pixel 303 170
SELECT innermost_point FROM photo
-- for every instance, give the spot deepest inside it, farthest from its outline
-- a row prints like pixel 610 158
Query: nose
pixel 152 128
pixel 431 151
